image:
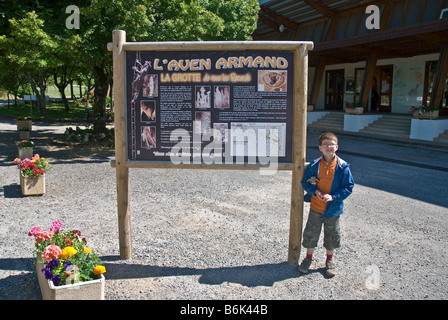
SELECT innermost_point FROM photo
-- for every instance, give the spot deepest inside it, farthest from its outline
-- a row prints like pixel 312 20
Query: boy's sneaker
pixel 305 265
pixel 330 268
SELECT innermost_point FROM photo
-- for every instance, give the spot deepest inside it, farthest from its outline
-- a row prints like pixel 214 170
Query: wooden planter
pixel 428 115
pixel 32 185
pixel 26 153
pixel 357 110
pixel 90 290
pixel 24 124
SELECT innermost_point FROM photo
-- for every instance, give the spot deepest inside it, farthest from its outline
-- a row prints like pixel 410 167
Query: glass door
pixel 334 89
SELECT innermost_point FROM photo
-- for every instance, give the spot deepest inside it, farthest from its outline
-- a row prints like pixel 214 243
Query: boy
pixel 329 180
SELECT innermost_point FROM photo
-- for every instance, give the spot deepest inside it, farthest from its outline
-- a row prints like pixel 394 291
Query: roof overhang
pixel 423 38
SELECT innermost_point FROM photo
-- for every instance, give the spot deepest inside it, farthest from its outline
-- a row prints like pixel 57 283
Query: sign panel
pixel 210 106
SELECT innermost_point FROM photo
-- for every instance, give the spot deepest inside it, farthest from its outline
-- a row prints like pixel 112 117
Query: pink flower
pixel 17 160
pixel 43 236
pixel 56 226
pixel 51 252
pixel 34 231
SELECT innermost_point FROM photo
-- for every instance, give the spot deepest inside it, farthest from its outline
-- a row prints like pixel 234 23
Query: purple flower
pixel 56 280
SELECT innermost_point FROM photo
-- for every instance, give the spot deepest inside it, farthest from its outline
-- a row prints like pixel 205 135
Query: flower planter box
pixel 32 185
pixel 24 124
pixel 357 110
pixel 24 135
pixel 90 290
pixel 26 153
pixel 429 115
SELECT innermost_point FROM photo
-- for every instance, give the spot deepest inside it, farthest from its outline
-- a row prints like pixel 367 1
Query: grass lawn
pixel 55 111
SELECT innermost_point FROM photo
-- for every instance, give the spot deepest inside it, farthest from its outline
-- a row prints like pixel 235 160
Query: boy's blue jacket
pixel 341 188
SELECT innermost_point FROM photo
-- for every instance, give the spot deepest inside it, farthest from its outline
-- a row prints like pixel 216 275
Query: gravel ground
pixel 223 234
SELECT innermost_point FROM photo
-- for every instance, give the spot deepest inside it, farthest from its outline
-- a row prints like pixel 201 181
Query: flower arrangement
pixel 352 105
pixel 20 118
pixel 65 255
pixel 25 144
pixel 37 166
pixel 422 109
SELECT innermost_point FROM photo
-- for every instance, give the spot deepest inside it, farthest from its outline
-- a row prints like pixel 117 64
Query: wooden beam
pixel 280 18
pixel 321 8
pixel 440 78
pixel 122 172
pixel 274 25
pixel 298 153
pixel 317 81
pixel 385 16
pixel 368 77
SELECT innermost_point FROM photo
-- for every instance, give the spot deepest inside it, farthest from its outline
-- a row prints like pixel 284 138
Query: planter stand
pixel 357 110
pixel 26 153
pixel 24 124
pixel 90 290
pixel 428 115
pixel 32 185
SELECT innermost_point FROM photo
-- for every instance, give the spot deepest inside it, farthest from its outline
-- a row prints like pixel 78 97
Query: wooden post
pixel 299 152
pixel 122 171
pixel 368 77
pixel 439 80
pixel 317 81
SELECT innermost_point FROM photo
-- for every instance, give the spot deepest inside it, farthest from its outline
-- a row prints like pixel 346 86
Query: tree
pixel 28 48
pixel 162 20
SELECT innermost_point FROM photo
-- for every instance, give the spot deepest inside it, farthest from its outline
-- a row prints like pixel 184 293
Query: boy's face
pixel 328 148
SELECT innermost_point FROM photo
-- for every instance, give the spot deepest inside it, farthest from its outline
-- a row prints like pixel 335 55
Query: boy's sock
pixel 329 257
pixel 309 256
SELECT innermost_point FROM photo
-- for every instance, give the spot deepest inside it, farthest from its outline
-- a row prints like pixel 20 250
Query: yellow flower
pixel 87 250
pixel 99 270
pixel 68 252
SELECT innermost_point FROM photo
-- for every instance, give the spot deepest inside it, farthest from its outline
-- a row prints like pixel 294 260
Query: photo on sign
pixel 150 85
pixel 221 132
pixel 148 137
pixel 221 98
pixel 203 97
pixel 272 80
pixel 148 110
pixel 202 122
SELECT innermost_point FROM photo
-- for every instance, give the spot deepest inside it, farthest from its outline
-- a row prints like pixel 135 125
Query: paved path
pixel 221 234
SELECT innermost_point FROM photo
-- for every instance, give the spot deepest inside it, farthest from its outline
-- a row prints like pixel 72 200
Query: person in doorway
pixel 329 181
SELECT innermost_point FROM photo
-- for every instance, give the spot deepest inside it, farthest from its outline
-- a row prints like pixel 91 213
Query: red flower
pixel 69 242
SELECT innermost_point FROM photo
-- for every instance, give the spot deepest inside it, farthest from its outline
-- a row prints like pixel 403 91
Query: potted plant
pixel 351 108
pixel 424 112
pixel 65 263
pixel 32 175
pixel 25 148
pixel 24 123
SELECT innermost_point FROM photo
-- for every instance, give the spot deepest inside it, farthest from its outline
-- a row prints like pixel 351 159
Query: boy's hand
pixel 323 197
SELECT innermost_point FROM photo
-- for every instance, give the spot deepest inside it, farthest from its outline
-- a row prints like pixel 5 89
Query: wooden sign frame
pixel 119 46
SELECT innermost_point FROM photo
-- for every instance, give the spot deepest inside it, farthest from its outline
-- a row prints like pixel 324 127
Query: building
pixel 386 56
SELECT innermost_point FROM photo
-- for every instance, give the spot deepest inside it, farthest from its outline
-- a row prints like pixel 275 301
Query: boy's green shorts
pixel 332 232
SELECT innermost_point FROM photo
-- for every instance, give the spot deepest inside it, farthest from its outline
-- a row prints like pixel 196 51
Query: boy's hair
pixel 327 136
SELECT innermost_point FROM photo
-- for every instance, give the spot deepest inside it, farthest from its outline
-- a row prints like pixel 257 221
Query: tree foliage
pixel 40 40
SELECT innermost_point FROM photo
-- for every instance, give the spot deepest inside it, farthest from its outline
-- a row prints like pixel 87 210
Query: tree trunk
pixel 40 85
pixel 99 102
